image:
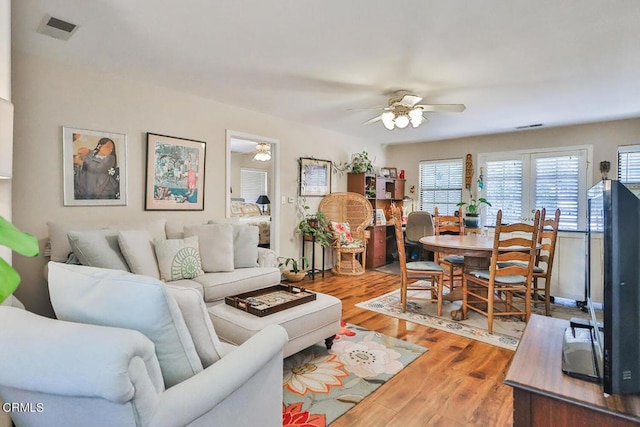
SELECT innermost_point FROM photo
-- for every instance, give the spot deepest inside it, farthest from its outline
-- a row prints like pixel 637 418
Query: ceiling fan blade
pixel 367 109
pixel 375 119
pixel 410 100
pixel 447 108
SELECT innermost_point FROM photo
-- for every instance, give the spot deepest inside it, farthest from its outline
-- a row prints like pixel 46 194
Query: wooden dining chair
pixel 505 289
pixel 429 270
pixel 547 237
pixel 453 264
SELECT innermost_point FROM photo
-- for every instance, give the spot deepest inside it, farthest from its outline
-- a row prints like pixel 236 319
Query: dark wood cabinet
pixel 544 396
pixel 381 193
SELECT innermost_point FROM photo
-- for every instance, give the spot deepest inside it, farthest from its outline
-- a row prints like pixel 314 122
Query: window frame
pixel 254 170
pixel 420 183
pixel 528 172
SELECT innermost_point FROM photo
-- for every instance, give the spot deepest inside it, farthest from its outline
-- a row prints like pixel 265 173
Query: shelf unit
pixel 381 192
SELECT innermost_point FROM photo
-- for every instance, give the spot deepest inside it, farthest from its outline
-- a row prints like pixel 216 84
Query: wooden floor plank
pixel 457 382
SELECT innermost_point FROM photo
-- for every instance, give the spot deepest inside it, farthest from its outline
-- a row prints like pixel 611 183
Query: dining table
pixel 476 250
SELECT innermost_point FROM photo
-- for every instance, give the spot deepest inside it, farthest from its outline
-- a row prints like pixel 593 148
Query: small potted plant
pixel 360 163
pixel 297 268
pixel 315 225
pixel 471 219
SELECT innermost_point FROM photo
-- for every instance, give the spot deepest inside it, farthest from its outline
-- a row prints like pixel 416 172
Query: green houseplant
pixel 315 225
pixel 473 207
pixel 359 163
pixel 21 242
pixel 297 269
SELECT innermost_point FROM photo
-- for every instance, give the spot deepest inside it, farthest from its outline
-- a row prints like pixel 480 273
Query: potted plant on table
pixel 360 162
pixel 471 219
pixel 316 226
pixel 297 268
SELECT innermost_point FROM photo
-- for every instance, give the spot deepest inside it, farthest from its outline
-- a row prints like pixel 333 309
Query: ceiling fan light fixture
pixel 263 152
pixel 387 119
pixel 402 121
pixel 416 117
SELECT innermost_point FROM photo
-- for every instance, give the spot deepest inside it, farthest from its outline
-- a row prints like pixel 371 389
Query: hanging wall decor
pixel 468 172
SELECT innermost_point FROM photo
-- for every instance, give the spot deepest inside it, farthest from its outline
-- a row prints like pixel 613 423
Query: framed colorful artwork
pixel 315 177
pixel 94 167
pixel 175 174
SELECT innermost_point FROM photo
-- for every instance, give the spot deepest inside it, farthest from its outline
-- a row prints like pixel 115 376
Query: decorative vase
pixel 472 221
pixel 294 277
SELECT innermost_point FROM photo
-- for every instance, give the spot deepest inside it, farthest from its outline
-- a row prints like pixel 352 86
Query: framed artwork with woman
pixel 94 164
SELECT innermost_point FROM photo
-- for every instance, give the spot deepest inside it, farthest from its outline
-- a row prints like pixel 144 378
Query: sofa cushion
pixel 178 258
pixel 120 299
pixel 60 247
pixel 196 317
pixel 139 251
pixel 245 243
pixel 216 245
pixel 98 248
pixel 216 286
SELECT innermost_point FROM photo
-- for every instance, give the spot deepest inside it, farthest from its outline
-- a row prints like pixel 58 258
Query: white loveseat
pixel 232 261
pixel 129 351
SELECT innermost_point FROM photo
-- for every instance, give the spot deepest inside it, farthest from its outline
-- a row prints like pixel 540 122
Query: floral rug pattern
pixel 506 331
pixel 319 385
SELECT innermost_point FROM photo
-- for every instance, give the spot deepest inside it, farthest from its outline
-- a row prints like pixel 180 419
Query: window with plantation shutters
pixel 440 185
pixel 519 183
pixel 629 165
pixel 253 183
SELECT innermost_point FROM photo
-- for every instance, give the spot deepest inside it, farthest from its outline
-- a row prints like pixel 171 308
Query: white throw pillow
pixel 245 246
pixel 196 317
pixel 120 299
pixel 98 248
pixel 178 258
pixel 139 252
pixel 216 245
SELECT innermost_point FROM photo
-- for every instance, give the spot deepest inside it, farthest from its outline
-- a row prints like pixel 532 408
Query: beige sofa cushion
pixel 178 258
pixel 61 248
pixel 98 248
pixel 216 245
pixel 139 251
pixel 120 299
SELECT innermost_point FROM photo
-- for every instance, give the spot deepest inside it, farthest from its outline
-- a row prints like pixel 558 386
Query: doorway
pixel 254 156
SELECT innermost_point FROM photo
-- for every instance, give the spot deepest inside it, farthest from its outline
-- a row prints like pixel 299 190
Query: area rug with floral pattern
pixel 320 384
pixel 506 331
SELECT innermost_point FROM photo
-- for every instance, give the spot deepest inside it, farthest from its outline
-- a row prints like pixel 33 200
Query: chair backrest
pixel 396 218
pixel 448 223
pixel 353 208
pixel 514 235
pixel 419 224
pixel 547 237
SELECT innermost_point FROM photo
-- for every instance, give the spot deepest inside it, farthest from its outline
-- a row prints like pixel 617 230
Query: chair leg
pixel 440 285
pixel 547 297
pixel 490 309
pixel 403 293
pixel 464 297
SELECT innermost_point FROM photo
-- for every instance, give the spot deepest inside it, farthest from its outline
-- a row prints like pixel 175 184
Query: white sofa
pixel 251 267
pixel 161 364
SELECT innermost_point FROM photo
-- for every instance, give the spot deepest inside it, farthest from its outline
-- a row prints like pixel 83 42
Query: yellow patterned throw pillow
pixel 178 258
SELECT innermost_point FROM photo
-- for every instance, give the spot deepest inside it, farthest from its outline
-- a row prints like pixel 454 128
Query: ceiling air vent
pixel 56 28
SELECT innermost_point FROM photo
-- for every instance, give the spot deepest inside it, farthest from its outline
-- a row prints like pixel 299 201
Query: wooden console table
pixel 544 396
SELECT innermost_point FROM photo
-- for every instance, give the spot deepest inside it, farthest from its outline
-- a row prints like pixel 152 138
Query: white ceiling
pixel 511 62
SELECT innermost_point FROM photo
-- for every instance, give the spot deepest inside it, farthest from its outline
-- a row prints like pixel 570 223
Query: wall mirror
pixel 253 184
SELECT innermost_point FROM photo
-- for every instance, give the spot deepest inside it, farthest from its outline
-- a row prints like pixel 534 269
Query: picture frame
pixel 175 173
pixel 385 172
pixel 94 165
pixel 315 177
pixel 393 172
pixel 381 219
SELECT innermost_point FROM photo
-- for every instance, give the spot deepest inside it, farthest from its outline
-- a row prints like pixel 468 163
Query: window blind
pixel 629 164
pixel 440 185
pixel 557 186
pixel 253 183
pixel 503 182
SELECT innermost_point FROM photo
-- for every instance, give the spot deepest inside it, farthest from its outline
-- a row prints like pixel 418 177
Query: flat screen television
pixel 614 210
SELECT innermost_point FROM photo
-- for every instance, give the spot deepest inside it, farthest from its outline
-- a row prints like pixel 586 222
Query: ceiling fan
pixel 404 108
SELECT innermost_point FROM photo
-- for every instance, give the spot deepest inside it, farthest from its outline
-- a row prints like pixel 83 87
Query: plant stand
pixel 312 239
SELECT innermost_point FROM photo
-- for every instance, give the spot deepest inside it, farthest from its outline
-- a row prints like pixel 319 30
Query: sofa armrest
pixel 75 359
pixel 267 258
pixel 258 358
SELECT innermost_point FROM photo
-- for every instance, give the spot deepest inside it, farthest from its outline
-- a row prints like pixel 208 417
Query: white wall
pixel 48 95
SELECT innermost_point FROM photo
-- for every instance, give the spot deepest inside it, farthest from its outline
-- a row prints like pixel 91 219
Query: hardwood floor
pixel 458 382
